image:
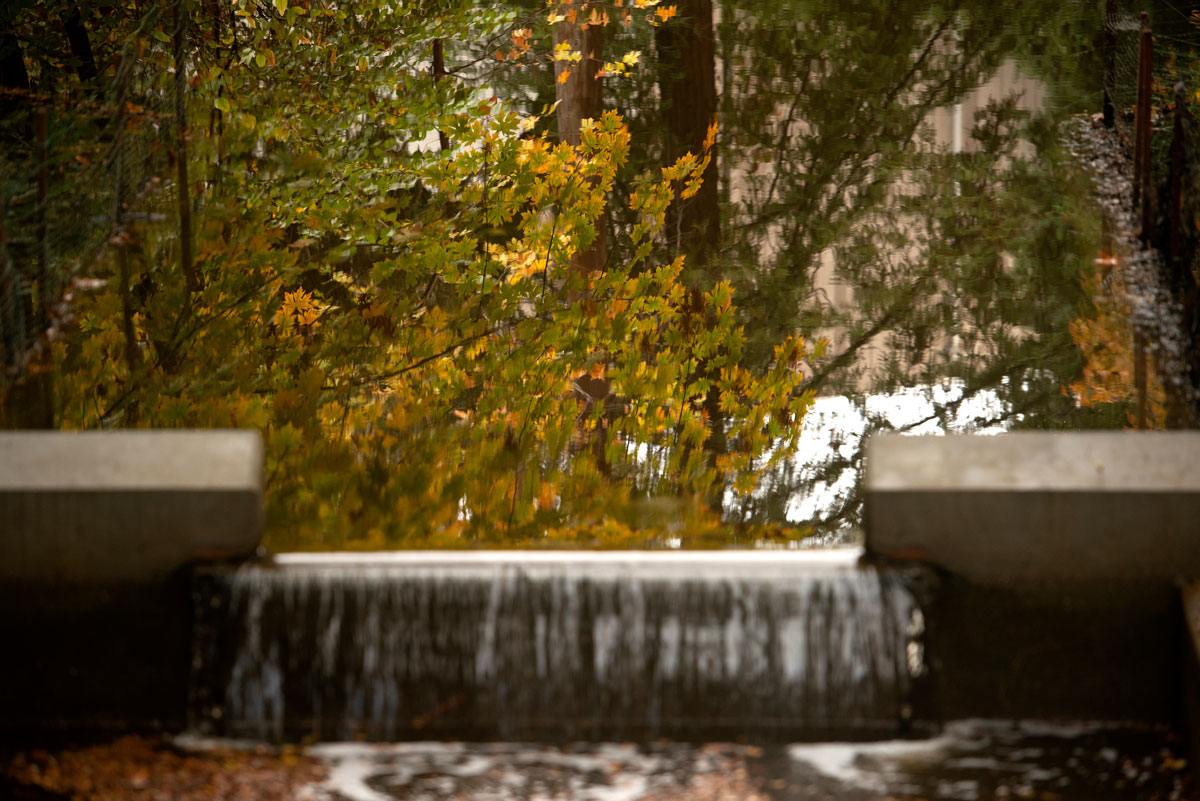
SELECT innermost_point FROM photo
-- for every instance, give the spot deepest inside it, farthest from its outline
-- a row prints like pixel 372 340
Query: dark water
pixel 571 646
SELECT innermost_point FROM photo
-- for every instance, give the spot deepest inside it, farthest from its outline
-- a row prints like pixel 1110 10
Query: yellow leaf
pixel 631 57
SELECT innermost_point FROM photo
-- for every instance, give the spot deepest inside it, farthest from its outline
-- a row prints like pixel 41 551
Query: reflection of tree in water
pixel 952 270
pixel 959 269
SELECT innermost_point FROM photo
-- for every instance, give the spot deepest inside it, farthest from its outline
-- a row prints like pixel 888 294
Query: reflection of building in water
pixel 948 130
pixel 952 126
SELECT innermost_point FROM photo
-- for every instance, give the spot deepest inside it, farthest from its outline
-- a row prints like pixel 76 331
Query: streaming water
pixel 575 645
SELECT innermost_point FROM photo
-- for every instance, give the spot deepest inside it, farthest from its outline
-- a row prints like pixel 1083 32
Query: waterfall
pixel 579 645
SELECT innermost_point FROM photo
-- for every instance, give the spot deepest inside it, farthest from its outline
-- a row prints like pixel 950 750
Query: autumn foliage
pixel 399 319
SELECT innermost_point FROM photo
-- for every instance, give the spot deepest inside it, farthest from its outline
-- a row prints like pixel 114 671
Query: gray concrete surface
pixel 1038 506
pixel 121 506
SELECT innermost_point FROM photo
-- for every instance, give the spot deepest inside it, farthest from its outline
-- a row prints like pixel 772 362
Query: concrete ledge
pixel 110 507
pixel 1038 506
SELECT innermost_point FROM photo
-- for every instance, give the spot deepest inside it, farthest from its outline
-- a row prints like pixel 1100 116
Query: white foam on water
pixel 602 772
pixel 964 790
pixel 843 761
pixel 964 745
pixel 348 778
pixel 1043 728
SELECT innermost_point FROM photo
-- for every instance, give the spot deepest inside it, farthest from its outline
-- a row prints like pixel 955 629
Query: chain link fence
pixel 1151 97
pixel 85 154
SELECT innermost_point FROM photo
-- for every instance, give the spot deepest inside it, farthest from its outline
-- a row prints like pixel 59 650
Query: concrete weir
pixel 1060 554
pixel 1020 576
pixel 557 645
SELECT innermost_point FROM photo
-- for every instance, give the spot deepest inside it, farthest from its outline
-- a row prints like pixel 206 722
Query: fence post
pixel 12 328
pixel 43 244
pixel 1176 195
pixel 1141 147
pixel 185 203
pixel 1109 47
pixel 1139 377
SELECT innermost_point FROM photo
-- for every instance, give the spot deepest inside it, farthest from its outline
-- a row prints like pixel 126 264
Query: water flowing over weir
pixel 580 645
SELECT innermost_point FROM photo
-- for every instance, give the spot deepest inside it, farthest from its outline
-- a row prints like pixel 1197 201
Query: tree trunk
pixel 687 84
pixel 580 97
pixel 688 88
pixel 438 68
pixel 81 46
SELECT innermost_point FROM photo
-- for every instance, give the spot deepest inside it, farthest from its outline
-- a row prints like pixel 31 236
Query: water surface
pixel 972 761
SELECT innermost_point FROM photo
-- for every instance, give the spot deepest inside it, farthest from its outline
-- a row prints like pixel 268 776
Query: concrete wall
pixel 93 507
pixel 1038 506
pixel 1106 651
pixel 1060 555
pixel 98 532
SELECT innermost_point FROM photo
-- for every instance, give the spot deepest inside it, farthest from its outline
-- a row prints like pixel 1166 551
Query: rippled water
pixel 971 761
